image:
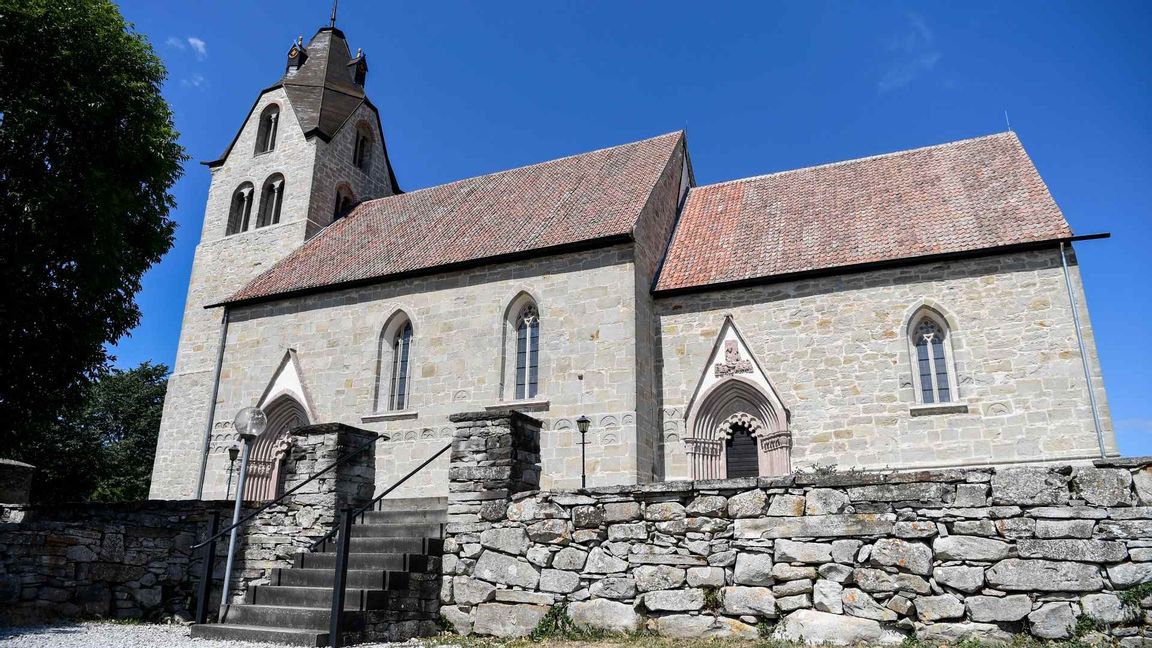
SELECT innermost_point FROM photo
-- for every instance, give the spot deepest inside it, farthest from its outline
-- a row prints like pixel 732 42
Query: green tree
pixel 88 154
pixel 101 449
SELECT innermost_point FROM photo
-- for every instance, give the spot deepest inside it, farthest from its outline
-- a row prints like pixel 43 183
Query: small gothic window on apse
pixel 742 457
pixel 401 347
pixel 931 361
pixel 527 352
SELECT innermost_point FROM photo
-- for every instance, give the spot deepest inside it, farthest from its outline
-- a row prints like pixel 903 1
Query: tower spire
pixel 332 20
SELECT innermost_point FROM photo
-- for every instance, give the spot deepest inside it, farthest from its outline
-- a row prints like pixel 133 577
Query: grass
pixel 1133 595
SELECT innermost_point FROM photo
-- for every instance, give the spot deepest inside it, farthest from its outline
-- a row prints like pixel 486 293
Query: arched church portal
pixel 738 430
pixel 268 450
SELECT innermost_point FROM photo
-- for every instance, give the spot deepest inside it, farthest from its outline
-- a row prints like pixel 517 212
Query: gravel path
pixel 119 635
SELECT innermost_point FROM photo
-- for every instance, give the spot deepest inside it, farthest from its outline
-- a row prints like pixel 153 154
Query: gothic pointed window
pixel 932 360
pixel 240 209
pixel 271 199
pixel 266 132
pixel 401 349
pixel 362 151
pixel 527 352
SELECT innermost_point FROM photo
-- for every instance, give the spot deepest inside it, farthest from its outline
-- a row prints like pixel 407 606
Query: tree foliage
pixel 101 449
pixel 88 154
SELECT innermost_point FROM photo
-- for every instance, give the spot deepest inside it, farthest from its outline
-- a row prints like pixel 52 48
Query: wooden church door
pixel 742 457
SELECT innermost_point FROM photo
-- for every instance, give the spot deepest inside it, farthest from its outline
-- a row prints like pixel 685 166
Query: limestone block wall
pixel 223 265
pixel 836 350
pixel 586 304
pixel 652 233
pixel 944 556
pixel 335 165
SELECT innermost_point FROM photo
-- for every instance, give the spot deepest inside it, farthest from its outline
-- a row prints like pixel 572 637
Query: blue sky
pixel 470 88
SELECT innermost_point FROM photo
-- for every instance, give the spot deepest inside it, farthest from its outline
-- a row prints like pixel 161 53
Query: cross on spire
pixel 332 20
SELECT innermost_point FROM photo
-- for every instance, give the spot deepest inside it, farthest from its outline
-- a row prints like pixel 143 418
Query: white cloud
pixel 197 44
pixel 194 81
pixel 914 53
pixel 200 47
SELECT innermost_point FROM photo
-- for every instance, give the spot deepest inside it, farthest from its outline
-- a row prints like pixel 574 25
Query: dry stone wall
pixel 135 560
pixel 940 555
pixel 107 560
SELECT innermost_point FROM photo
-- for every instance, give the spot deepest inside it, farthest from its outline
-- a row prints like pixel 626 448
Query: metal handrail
pixel 360 511
pixel 295 488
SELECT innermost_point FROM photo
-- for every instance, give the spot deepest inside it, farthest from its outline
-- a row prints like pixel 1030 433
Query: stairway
pixel 393 585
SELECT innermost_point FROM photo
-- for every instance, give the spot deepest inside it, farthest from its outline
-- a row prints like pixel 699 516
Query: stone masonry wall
pixel 223 265
pixel 109 560
pixel 586 303
pixel 135 560
pixel 652 234
pixel 290 527
pixel 942 555
pixel 836 350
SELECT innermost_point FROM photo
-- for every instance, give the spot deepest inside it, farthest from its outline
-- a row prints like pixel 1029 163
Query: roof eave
pixel 563 248
pixel 857 268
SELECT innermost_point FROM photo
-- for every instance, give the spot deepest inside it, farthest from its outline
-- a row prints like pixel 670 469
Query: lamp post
pixel 232 452
pixel 249 423
pixel 582 425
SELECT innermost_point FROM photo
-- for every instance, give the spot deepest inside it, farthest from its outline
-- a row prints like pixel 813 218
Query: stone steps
pixel 413 504
pixel 287 636
pixel 379 579
pixel 426 546
pixel 409 562
pixel 280 616
pixel 392 586
pixel 355 599
pixel 391 530
pixel 418 516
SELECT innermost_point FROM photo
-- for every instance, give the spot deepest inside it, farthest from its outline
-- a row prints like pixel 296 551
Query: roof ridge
pixel 866 158
pixel 524 166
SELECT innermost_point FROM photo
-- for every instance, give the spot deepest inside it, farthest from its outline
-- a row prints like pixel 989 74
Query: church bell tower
pixel 308 151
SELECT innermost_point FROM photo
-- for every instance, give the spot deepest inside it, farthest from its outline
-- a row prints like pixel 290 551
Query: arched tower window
pixel 527 352
pixel 271 199
pixel 932 366
pixel 345 201
pixel 240 209
pixel 362 151
pixel 394 367
pixel 266 133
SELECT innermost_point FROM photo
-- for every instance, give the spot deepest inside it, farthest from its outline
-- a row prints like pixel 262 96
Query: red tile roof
pixel 959 197
pixel 567 201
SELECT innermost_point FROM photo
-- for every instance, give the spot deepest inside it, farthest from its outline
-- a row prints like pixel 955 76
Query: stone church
pixel 914 309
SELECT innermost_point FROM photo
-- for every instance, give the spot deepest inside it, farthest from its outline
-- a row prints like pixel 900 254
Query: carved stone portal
pixel 737 404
